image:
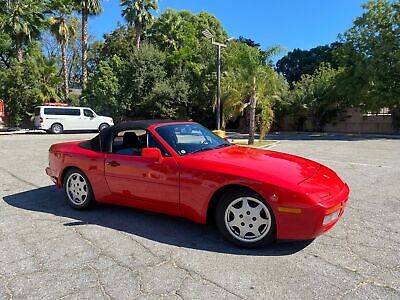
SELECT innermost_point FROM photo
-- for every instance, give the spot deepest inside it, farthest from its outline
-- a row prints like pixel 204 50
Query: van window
pixel 88 113
pixel 62 111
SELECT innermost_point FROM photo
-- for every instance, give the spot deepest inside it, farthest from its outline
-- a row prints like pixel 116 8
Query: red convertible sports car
pixel 182 169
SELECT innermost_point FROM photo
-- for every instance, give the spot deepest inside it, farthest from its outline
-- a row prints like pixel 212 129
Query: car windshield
pixel 190 138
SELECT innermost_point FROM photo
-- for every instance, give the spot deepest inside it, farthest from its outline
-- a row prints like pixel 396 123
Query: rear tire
pixel 245 219
pixel 56 128
pixel 103 126
pixel 78 190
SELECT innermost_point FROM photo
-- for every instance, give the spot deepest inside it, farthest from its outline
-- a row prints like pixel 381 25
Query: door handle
pixel 112 163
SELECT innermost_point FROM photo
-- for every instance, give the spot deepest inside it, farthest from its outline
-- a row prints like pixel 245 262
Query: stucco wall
pixel 352 121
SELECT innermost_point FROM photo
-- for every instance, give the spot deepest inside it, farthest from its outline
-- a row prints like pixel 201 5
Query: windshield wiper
pixel 208 148
pixel 201 150
pixel 222 146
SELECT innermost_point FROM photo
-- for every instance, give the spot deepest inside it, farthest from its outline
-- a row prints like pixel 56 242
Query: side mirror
pixel 152 153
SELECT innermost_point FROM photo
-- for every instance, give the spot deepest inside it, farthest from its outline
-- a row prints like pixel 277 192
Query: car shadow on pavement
pixel 157 227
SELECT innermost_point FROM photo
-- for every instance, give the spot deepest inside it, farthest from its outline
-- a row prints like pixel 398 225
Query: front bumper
pixel 52 176
pixel 308 223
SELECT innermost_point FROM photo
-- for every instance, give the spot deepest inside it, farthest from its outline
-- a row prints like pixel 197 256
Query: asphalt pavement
pixel 50 251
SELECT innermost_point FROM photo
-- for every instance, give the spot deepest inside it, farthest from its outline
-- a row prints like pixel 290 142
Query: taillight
pixel 41 120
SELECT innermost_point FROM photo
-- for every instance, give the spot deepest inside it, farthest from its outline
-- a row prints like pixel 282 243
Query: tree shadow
pixel 157 227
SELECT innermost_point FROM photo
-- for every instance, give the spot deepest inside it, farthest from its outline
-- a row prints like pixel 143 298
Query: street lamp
pixel 210 36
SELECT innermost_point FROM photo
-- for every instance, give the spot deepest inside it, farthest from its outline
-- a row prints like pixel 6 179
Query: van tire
pixel 103 126
pixel 56 128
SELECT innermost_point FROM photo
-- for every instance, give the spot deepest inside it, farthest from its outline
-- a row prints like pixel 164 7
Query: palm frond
pixel 274 51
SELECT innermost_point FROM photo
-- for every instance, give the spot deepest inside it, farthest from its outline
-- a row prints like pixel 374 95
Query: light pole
pixel 210 36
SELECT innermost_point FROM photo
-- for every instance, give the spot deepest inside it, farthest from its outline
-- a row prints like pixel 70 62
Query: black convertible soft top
pixel 103 141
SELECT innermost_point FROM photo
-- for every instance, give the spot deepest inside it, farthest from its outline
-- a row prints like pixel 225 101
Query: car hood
pixel 252 162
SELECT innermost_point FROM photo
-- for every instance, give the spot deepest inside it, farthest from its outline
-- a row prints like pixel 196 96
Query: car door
pixel 72 118
pixel 88 121
pixel 147 183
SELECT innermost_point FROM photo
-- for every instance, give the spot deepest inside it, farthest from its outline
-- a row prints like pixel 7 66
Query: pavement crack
pixel 366 282
pixel 19 178
pixel 191 272
pixel 366 278
pixel 99 282
pixel 142 245
pixel 178 291
pixel 103 253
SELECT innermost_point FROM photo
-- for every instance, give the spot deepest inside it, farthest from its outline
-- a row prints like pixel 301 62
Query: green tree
pixel 6 50
pixel 103 91
pixel 168 98
pixel 52 50
pixel 317 95
pixel 167 29
pixel 117 43
pixel 138 14
pixel 299 62
pixel 62 29
pixel 87 8
pixel 137 86
pixel 27 84
pixel 249 79
pixel 22 20
pixel 74 50
pixel 178 35
pixel 371 57
pixel 144 68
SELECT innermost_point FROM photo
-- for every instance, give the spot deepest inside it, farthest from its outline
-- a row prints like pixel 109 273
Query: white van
pixel 56 119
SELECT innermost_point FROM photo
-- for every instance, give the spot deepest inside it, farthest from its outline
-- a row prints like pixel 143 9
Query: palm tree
pixel 87 7
pixel 22 19
pixel 137 14
pixel 249 78
pixel 165 30
pixel 61 28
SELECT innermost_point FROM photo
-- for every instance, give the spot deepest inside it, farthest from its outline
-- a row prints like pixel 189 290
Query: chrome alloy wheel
pixel 77 189
pixel 247 219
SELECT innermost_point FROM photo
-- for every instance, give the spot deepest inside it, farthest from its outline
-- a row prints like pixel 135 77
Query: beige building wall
pixel 354 121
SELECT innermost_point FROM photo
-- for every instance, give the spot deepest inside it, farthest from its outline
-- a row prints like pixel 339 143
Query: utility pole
pixel 219 46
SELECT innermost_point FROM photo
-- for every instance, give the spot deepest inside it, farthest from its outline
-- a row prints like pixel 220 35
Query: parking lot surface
pixel 48 250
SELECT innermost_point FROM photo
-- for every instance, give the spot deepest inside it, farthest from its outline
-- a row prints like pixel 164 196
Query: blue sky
pixel 300 24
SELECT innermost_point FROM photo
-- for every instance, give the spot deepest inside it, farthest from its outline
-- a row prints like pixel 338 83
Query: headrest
pixel 130 139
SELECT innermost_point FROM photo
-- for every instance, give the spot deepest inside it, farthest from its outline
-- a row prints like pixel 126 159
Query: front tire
pixel 245 219
pixel 78 190
pixel 56 128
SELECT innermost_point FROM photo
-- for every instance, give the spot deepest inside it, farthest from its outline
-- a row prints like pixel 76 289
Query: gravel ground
pixel 48 250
